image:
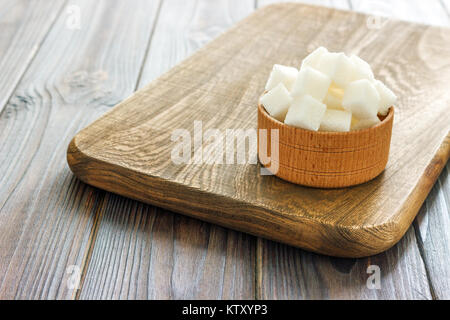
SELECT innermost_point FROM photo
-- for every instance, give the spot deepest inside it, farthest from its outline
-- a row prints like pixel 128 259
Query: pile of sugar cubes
pixel 331 92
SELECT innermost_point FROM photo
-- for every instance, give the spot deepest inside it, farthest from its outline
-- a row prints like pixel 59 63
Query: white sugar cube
pixel 338 67
pixel 343 71
pixel 334 96
pixel 282 74
pixel 358 124
pixel 336 120
pixel 361 99
pixel 311 82
pixel 387 97
pixel 327 63
pixel 312 60
pixel 277 101
pixel 362 69
pixel 305 112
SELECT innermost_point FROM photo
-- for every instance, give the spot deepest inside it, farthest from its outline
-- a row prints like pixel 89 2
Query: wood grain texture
pixel 128 151
pixel 320 277
pixel 74 231
pixel 432 225
pixel 290 273
pixel 183 28
pixel 432 217
pixel 326 159
pixel 435 248
pixel 24 25
pixel 144 252
pixel 434 214
pixel 49 218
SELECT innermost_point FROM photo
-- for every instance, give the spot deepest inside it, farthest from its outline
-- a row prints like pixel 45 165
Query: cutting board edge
pixel 341 241
pixel 95 172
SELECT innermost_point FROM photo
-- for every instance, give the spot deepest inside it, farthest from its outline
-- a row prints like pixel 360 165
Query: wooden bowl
pixel 326 159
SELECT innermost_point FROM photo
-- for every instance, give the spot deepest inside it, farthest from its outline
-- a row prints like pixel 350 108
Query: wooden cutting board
pixel 128 150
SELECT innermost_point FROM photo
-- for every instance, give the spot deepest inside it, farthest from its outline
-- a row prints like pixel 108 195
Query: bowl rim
pixel 385 121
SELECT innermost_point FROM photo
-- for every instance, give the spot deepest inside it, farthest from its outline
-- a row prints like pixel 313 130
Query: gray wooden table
pixel 65 63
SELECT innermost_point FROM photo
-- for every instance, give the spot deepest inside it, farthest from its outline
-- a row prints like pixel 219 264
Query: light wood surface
pixel 124 273
pixel 128 151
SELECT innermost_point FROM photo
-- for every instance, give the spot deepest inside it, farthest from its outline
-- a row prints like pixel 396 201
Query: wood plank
pixel 49 218
pixel 288 273
pixel 23 24
pixel 142 252
pixel 183 28
pixel 432 225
